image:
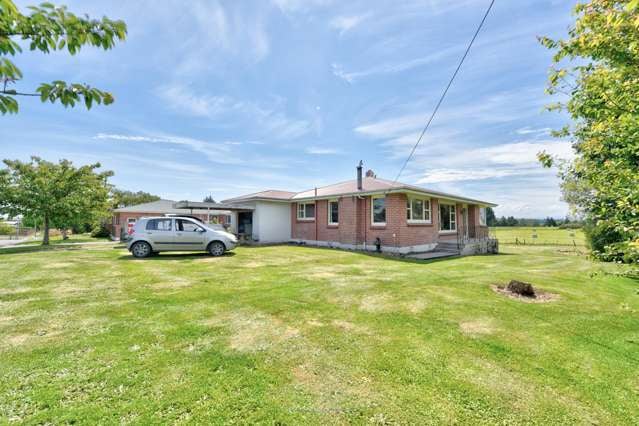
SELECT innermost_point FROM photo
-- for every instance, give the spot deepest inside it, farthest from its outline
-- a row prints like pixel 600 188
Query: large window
pixel 482 216
pixel 333 212
pixel 306 211
pixel 447 218
pixel 159 225
pixel 418 210
pixel 378 210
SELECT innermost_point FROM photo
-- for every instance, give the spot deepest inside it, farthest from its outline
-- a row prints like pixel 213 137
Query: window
pixel 418 210
pixel 158 225
pixel 186 226
pixel 447 218
pixel 482 216
pixel 378 210
pixel 333 212
pixel 306 211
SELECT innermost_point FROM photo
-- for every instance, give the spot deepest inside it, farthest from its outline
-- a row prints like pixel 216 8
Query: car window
pixel 159 225
pixel 186 226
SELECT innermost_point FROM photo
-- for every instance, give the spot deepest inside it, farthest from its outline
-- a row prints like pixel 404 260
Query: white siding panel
pixel 272 222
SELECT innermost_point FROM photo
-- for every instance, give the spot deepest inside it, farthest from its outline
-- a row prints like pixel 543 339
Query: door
pixel 189 235
pixel 160 233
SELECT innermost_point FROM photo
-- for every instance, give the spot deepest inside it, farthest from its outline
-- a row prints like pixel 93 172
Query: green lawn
pixel 303 335
pixel 538 235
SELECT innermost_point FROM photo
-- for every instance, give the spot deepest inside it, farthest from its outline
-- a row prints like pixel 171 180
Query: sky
pixel 233 97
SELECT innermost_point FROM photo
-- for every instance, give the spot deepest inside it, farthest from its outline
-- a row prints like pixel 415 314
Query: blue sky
pixel 234 97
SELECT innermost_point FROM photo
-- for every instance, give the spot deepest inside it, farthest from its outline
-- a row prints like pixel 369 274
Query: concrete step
pixel 435 254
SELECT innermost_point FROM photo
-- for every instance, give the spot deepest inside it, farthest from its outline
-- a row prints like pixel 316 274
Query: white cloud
pixel 543 131
pixel 391 67
pixel 215 152
pixel 346 23
pixel 269 120
pixel 322 151
pixel 299 6
pixel 498 161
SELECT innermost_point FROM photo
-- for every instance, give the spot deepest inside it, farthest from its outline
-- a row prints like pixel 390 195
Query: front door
pixel 188 235
pixel 160 233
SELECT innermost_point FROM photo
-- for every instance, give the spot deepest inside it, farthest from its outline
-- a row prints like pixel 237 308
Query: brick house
pixel 123 218
pixel 368 212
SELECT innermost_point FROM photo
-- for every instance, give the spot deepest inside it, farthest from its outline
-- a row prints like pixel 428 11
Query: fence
pixel 18 233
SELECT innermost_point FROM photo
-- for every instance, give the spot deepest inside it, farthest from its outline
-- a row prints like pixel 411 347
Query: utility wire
pixel 441 99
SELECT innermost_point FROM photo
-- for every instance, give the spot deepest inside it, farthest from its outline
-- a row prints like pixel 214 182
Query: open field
pixel 538 235
pixel 297 334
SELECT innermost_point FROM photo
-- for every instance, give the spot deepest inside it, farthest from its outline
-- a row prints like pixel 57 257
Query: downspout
pixel 316 218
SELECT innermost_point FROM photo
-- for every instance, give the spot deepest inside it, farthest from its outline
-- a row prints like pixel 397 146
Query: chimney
pixel 359 175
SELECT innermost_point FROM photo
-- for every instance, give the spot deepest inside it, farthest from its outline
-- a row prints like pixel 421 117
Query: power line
pixel 441 99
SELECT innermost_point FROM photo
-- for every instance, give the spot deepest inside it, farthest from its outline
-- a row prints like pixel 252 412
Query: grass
pixel 538 235
pixel 73 238
pixel 303 335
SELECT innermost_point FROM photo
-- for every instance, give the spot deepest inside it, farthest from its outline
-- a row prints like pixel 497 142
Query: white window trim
pixel 373 198
pixel 328 204
pixel 304 218
pixel 430 210
pixel 447 231
pixel 483 219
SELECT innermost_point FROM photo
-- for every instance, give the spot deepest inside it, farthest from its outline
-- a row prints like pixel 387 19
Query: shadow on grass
pixel 175 256
pixel 384 256
pixel 53 247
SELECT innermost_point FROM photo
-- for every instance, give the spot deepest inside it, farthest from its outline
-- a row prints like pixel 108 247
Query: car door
pixel 189 235
pixel 160 233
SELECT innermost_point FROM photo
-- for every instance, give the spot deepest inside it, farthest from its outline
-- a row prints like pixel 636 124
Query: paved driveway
pixel 7 243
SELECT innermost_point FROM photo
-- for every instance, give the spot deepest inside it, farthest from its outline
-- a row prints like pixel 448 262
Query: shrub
pixel 101 231
pixel 6 229
pixel 601 235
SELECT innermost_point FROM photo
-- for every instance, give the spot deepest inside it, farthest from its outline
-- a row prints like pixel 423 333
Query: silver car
pixel 155 234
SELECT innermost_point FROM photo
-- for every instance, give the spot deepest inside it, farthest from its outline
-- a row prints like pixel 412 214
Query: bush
pixel 6 229
pixel 101 231
pixel 600 236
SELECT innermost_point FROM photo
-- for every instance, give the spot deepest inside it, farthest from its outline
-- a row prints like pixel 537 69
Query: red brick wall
pixel 355 225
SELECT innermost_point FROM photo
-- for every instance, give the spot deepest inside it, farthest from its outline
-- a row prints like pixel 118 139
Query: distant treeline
pixel 565 223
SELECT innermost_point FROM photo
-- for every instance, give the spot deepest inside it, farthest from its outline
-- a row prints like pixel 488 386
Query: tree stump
pixel 522 288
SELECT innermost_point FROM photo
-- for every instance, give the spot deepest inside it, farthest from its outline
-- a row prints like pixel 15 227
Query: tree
pixel 208 199
pixel 121 198
pixel 502 221
pixel 551 222
pixel 491 219
pixel 60 194
pixel 597 67
pixel 511 221
pixel 48 28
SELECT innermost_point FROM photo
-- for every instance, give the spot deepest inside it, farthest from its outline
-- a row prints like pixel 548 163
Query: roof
pixel 269 194
pixel 370 185
pixel 159 207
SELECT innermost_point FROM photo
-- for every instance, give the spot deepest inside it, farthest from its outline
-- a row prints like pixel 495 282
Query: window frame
pixel 483 218
pixel 182 221
pixel 452 218
pixel 301 208
pixel 409 210
pixel 171 228
pixel 330 215
pixel 373 198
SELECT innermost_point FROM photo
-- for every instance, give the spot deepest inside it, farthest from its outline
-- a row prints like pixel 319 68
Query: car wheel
pixel 216 248
pixel 141 249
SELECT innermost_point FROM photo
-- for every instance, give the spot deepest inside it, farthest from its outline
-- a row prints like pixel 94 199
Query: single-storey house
pixel 124 218
pixel 366 213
